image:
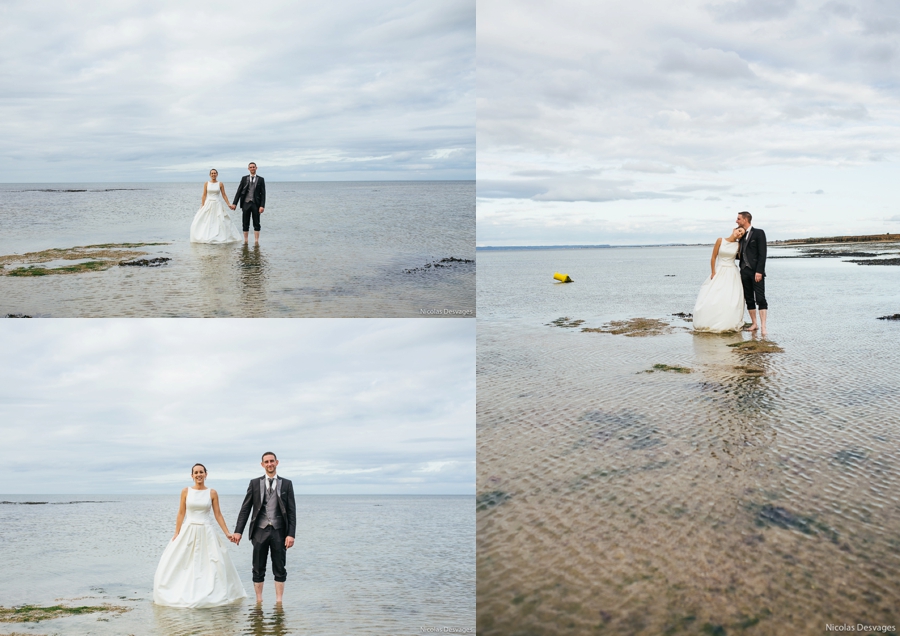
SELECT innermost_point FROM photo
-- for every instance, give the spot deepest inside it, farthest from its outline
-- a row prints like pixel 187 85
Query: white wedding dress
pixel 195 569
pixel 720 304
pixel 212 223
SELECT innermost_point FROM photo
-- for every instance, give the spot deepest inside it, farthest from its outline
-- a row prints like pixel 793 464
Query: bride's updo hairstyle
pixel 211 170
pixel 200 465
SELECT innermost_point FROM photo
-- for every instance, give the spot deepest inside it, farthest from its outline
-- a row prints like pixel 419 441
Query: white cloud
pixel 155 91
pixel 129 405
pixel 762 98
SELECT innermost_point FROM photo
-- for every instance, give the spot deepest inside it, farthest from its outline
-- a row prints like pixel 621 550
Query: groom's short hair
pixel 252 163
pixel 264 456
pixel 746 215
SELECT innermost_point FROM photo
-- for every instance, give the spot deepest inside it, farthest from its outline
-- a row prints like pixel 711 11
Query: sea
pixel 673 483
pixel 361 565
pixel 333 249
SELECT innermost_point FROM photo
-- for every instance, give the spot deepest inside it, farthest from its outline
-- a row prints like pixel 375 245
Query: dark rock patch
pixel 894 317
pixel 875 261
pixel 441 264
pixel 565 322
pixel 492 499
pixel 146 262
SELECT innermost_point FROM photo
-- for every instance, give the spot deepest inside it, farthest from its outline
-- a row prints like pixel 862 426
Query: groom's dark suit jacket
pixel 287 507
pixel 259 195
pixel 755 251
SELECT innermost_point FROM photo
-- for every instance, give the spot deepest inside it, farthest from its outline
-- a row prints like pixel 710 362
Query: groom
pixel 251 194
pixel 272 524
pixel 753 271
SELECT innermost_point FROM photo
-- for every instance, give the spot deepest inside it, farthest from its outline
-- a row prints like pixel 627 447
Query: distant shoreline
pixel 863 238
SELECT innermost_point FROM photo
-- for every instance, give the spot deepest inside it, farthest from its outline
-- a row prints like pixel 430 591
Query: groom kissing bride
pixel 738 277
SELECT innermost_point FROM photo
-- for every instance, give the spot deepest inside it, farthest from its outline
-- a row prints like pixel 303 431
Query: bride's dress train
pixel 212 223
pixel 195 569
pixel 720 304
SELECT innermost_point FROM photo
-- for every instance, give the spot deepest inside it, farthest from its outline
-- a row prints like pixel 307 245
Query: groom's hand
pixel 288 542
pixel 261 210
pixel 758 277
pixel 236 538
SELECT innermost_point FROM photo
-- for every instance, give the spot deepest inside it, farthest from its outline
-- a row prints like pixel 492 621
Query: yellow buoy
pixel 563 278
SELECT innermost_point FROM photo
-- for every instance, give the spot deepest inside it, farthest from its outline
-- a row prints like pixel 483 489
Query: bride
pixel 195 569
pixel 212 224
pixel 720 304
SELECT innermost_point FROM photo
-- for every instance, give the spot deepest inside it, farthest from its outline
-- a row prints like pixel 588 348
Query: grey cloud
pixel 896 217
pixel 647 166
pixel 700 186
pixel 564 189
pixel 714 63
pixel 753 10
pixel 882 25
pixel 839 9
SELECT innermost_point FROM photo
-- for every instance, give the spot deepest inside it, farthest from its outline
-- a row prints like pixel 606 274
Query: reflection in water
pixel 215 266
pixel 739 382
pixel 253 273
pixel 222 621
pixel 259 624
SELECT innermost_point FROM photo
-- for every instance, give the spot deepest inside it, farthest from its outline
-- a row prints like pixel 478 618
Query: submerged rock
pixel 875 261
pixel 756 346
pixel 444 263
pixel 492 499
pixel 35 614
pixel 894 317
pixel 636 327
pixel 666 367
pixel 94 258
pixel 565 322
pixel 146 262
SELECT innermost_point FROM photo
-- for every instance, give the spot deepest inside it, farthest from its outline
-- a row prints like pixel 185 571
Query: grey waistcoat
pixel 251 190
pixel 269 514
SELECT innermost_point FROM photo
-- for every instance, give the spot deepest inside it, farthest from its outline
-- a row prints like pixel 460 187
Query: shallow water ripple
pixel 756 494
pixel 327 250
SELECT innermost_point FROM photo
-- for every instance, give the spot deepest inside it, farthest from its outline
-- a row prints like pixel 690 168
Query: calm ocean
pixel 339 249
pixel 756 491
pixel 361 565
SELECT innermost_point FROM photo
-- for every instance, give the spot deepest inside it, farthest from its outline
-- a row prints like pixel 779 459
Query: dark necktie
pixel 269 491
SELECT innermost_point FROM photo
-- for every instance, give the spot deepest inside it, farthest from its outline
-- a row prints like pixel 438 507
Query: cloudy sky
pixel 129 90
pixel 627 122
pixel 127 406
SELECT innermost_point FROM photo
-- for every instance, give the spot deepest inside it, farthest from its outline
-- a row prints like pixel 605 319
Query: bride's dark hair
pixel 217 172
pixel 201 466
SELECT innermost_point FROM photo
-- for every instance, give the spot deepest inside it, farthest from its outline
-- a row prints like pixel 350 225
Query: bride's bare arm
pixel 182 508
pixel 712 261
pixel 214 496
pixel 225 198
pixel 203 200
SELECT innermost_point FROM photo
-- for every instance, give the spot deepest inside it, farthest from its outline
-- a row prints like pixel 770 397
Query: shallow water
pixel 756 494
pixel 361 565
pixel 326 250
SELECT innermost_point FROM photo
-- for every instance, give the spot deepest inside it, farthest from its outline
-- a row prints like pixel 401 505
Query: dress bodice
pixel 198 506
pixel 212 189
pixel 727 252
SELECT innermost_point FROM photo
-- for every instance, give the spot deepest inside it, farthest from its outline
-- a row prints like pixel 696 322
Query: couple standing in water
pixel 738 277
pixel 195 569
pixel 212 223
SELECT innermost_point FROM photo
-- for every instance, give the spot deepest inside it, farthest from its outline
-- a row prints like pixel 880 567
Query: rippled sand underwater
pixel 672 484
pixel 349 249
